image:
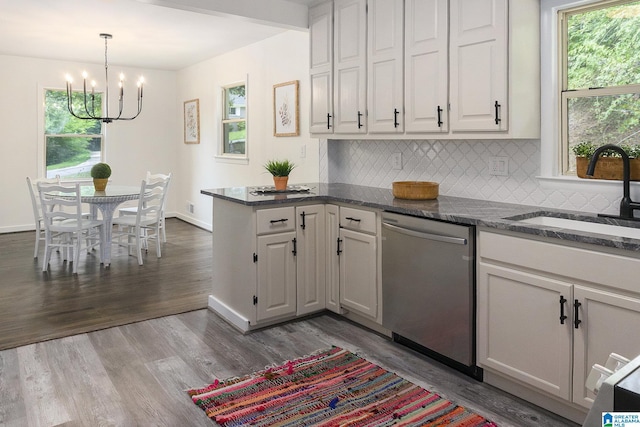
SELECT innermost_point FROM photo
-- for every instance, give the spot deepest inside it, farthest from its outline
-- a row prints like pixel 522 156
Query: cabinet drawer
pixel 357 219
pixel 276 220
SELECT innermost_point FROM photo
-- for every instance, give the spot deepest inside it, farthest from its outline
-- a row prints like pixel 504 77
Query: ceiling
pixel 157 34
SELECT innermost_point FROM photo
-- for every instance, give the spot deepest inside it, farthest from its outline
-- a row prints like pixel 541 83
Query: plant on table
pixel 280 169
pixel 100 172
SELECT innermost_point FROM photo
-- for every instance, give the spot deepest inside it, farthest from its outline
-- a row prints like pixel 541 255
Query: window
pixel 72 145
pixel 600 76
pixel 234 120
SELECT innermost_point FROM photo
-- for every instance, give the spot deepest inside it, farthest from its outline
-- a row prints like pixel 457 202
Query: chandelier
pixel 89 112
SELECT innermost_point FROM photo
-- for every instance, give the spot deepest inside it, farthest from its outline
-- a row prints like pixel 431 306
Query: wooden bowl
pixel 415 190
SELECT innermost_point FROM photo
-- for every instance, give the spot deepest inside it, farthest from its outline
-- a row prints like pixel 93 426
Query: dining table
pixel 106 203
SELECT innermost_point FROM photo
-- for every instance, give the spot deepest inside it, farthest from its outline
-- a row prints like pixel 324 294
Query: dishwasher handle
pixel 423 235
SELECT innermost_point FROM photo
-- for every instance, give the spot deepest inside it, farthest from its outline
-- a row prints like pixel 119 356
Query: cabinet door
pixel 276 276
pixel 520 333
pixel 358 272
pixel 350 32
pixel 310 263
pixel 479 32
pixel 332 219
pixel 384 66
pixel 321 67
pixel 609 323
pixel 426 66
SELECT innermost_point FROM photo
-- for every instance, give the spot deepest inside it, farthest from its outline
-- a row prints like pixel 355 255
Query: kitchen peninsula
pixel 541 289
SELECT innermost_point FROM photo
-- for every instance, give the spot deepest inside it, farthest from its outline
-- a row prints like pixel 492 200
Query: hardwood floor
pixel 36 306
pixel 136 374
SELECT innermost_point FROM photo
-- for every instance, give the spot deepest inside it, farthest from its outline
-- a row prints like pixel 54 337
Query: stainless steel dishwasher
pixel 428 288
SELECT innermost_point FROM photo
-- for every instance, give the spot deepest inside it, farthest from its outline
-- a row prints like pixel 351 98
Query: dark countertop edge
pixel 494 220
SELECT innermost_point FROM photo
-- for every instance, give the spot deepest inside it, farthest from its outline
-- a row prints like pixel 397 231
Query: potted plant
pixel 280 169
pixel 100 172
pixel 609 165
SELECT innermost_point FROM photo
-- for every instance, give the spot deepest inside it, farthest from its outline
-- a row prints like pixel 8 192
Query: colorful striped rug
pixel 331 388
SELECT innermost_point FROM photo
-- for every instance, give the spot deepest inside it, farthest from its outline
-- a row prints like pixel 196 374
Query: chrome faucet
pixel 627 206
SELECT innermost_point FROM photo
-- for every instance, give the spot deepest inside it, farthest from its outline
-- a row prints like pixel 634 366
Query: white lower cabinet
pixel 275 263
pixel 353 276
pixel 609 323
pixel 547 313
pixel 358 281
pixel 310 277
pixel 521 334
pixel 294 260
pixel 276 288
pixel 291 266
pixel 358 261
pixel 332 259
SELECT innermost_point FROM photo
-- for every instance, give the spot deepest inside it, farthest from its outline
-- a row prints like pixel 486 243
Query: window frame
pixel 241 158
pixel 42 130
pixel 563 12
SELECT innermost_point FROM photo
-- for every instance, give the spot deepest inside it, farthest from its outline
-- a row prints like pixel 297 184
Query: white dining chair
pixel 144 226
pixel 65 225
pixel 37 210
pixel 132 210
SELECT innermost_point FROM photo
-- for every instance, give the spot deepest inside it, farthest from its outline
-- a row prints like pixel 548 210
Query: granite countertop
pixel 503 216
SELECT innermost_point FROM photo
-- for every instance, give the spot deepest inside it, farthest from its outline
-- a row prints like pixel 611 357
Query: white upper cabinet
pixel 494 68
pixel 479 41
pixel 321 72
pixel 385 35
pixel 350 87
pixel 426 66
pixel 457 69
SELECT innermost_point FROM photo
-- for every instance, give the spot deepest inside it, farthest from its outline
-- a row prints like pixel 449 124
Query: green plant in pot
pixel 100 172
pixel 584 149
pixel 280 169
pixel 609 165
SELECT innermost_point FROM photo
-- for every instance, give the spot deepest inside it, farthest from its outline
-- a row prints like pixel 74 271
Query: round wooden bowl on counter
pixel 415 190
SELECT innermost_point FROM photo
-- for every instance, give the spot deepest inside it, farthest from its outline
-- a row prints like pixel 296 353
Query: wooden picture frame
pixel 286 111
pixel 192 121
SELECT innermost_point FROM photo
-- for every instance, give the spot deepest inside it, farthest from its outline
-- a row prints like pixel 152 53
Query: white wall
pixel 132 148
pixel 279 59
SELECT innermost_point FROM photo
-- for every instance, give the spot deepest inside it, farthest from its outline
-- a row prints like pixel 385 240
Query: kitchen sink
pixel 586 224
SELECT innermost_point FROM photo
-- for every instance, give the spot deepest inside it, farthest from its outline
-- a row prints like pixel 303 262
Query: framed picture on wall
pixel 285 109
pixel 192 121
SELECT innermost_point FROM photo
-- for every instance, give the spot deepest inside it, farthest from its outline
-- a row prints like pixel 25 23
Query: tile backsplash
pixel 461 167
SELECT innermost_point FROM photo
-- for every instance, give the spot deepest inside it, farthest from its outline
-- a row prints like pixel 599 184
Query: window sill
pixel 232 159
pixel 575 183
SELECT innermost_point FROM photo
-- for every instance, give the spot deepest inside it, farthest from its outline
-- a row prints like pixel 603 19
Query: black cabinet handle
pixel 329 121
pixel 303 225
pixel 562 315
pixel 439 117
pixel 359 122
pixel 339 250
pixel 576 320
pixel 352 219
pixel 275 221
pixel 395 118
pixel 498 119
pixel 295 246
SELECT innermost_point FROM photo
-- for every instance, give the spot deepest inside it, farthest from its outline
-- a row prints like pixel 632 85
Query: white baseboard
pixel 229 314
pixel 192 220
pixel 17 228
